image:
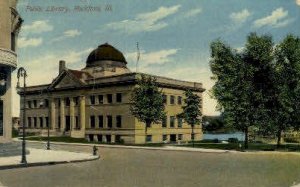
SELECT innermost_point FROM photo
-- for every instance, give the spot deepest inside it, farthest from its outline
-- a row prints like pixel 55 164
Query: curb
pixel 45 163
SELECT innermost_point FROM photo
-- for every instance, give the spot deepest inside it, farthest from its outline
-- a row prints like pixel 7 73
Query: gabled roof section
pixel 70 79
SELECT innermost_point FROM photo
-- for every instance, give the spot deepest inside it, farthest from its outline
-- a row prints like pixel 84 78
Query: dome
pixel 106 56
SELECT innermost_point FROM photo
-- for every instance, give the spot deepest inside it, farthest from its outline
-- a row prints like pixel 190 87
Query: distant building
pixel 94 102
pixel 16 123
pixel 10 23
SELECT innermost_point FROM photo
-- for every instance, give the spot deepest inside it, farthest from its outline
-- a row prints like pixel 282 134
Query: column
pixel 113 138
pixel 52 114
pixel 82 112
pixel 62 114
pixel 72 113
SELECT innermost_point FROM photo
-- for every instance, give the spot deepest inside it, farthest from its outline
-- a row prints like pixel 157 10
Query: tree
pixel 286 113
pixel 147 102
pixel 191 110
pixel 241 78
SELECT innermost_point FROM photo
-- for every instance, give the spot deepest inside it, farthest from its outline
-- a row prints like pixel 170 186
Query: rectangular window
pixel 13 41
pixel 34 122
pixel 77 123
pixel 76 100
pixel 100 121
pixel 165 99
pixel 119 98
pixel 164 137
pixel 109 98
pixel 46 102
pixel 179 136
pixel 59 122
pixel 149 138
pixel 109 121
pixel 29 104
pixel 34 104
pixel 179 100
pixel 92 122
pixel 29 122
pixel 41 122
pixel 67 100
pixel 172 121
pixel 92 100
pixel 164 122
pixel 100 99
pixel 172 100
pixel 47 121
pixel 179 122
pixel 119 121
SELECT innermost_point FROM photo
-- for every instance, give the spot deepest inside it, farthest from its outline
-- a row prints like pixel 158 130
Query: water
pixel 239 135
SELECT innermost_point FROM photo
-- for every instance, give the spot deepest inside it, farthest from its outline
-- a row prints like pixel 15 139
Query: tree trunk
pixel 246 138
pixel 278 138
pixel 193 136
pixel 146 128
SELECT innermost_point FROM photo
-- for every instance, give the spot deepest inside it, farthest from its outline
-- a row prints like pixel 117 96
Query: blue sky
pixel 173 35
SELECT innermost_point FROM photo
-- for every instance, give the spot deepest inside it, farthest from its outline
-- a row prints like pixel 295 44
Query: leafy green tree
pixel 147 102
pixel 286 110
pixel 192 110
pixel 241 78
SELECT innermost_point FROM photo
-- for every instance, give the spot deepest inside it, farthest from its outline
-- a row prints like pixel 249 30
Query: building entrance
pixel 173 137
pixel 68 123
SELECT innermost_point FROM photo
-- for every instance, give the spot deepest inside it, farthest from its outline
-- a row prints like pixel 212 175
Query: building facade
pixel 94 103
pixel 10 23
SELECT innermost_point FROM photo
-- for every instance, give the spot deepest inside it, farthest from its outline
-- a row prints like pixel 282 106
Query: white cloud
pixel 24 42
pixel 278 18
pixel 240 17
pixel 68 34
pixel 154 57
pixel 150 21
pixel 193 12
pixel 298 2
pixel 39 26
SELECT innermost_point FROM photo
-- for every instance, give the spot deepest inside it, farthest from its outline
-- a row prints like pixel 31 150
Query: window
pixel 119 98
pixel 77 123
pixel 67 100
pixel 47 121
pixel 109 121
pixel 100 99
pixel 92 99
pixel 76 100
pixel 13 41
pixel 119 121
pixel 164 137
pixel 29 122
pixel 149 138
pixel 164 122
pixel 59 122
pixel 41 122
pixel 46 102
pixel 179 100
pixel 92 122
pixel 179 121
pixel 29 104
pixel 34 104
pixel 172 99
pixel 172 121
pixel 109 98
pixel 165 99
pixel 34 122
pixel 59 102
pixel 179 136
pixel 100 121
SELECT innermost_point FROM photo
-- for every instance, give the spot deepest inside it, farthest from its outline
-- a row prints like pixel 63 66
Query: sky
pixel 173 35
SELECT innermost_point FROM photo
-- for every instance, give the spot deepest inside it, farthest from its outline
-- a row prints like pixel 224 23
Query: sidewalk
pixel 39 157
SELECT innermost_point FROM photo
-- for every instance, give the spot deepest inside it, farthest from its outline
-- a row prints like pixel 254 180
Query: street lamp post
pixel 47 122
pixel 22 73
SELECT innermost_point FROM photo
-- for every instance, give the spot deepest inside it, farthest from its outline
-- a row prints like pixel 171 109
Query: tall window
pixel 100 121
pixel 92 100
pixel 165 99
pixel 77 123
pixel 67 100
pixel 29 104
pixel 34 122
pixel 34 104
pixel 179 100
pixel 179 136
pixel 13 41
pixel 172 99
pixel 100 99
pixel 164 137
pixel 172 121
pixel 76 100
pixel 119 121
pixel 29 122
pixel 109 121
pixel 109 98
pixel 179 121
pixel 119 98
pixel 47 121
pixel 41 122
pixel 46 102
pixel 92 122
pixel 164 122
pixel 59 122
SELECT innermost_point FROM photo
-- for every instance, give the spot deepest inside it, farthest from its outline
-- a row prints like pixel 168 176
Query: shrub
pixel 233 140
pixel 291 140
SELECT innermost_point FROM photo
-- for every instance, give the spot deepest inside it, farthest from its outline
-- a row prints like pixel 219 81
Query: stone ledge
pixel 8 57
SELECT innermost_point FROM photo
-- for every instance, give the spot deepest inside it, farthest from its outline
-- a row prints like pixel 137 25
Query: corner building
pixel 10 24
pixel 94 103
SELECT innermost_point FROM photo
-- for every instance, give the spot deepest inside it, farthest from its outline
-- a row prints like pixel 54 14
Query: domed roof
pixel 106 53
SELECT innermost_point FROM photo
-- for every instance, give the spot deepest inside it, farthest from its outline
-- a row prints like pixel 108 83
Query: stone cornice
pixel 8 57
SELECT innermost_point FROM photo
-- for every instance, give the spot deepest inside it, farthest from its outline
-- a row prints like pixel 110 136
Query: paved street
pixel 134 167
